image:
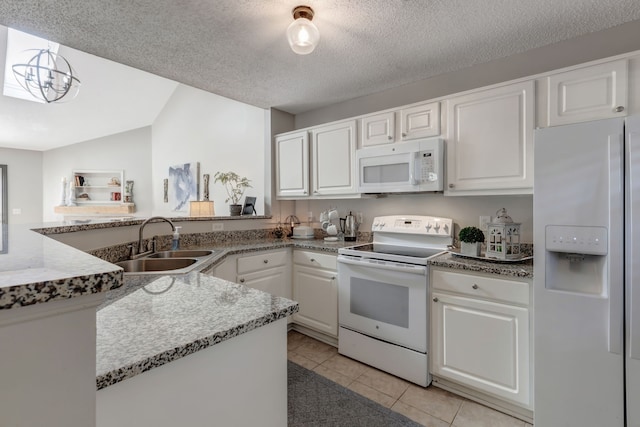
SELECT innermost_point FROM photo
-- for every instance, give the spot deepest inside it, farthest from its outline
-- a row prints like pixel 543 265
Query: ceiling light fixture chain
pixel 48 76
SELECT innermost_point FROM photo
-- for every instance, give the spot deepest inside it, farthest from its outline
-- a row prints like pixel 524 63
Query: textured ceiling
pixel 238 48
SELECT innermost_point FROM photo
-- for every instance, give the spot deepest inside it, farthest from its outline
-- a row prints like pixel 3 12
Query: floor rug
pixel 314 401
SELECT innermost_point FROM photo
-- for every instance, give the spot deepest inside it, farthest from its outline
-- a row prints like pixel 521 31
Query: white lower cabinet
pixel 480 334
pixel 268 271
pixel 315 287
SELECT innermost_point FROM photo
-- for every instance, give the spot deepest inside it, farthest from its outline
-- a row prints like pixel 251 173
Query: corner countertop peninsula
pixel 35 269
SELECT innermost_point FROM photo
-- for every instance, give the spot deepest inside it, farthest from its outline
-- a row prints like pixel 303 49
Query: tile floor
pixel 431 406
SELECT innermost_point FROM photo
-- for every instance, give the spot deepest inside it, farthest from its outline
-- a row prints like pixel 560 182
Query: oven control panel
pixel 414 224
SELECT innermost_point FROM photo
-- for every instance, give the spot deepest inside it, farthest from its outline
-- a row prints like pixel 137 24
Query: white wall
pixel 610 42
pixel 128 151
pixel 24 179
pixel 464 211
pixel 221 134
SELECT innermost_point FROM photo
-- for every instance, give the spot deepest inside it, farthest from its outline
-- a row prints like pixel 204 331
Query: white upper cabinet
pixel 377 129
pixel 420 121
pixel 292 164
pixel 490 141
pixel 333 152
pixel 590 93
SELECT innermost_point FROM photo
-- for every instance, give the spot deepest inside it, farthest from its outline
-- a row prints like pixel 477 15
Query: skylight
pixel 19 51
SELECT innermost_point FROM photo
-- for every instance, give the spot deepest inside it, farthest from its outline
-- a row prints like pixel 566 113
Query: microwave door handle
pixel 413 159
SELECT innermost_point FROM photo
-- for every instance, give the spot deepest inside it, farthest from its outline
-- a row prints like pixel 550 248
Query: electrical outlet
pixel 484 220
pixel 217 226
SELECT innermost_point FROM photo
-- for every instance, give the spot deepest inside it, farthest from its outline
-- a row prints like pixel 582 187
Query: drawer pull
pixel 312 260
pixel 435 299
pixel 242 280
pixel 475 286
pixel 266 261
pixel 618 109
pixel 333 278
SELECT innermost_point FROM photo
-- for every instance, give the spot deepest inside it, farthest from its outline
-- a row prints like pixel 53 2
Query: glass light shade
pixel 303 36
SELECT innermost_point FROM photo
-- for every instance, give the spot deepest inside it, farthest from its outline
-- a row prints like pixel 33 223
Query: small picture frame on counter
pixel 249 207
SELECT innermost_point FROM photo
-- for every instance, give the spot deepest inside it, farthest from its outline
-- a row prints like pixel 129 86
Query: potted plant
pixel 471 239
pixel 235 186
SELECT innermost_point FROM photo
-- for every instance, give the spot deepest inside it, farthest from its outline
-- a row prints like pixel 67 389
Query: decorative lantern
pixel 503 237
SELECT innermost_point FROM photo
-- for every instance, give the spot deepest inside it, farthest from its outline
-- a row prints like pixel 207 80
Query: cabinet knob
pixel 315 191
pixel 618 109
pixel 404 134
pixel 451 185
pixel 435 299
pixel 389 137
pixel 266 261
pixel 333 278
pixel 475 286
pixel 242 280
pixel 312 260
pixel 304 192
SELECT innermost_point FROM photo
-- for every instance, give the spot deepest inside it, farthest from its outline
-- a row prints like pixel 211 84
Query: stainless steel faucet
pixel 140 238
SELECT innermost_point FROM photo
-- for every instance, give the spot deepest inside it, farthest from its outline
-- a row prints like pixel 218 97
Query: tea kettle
pixel 349 227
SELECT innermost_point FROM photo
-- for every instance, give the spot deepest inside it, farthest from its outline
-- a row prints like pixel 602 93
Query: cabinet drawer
pixel 481 286
pixel 315 259
pixel 261 261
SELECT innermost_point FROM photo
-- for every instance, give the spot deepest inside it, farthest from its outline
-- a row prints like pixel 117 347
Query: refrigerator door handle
pixel 615 258
pixel 633 246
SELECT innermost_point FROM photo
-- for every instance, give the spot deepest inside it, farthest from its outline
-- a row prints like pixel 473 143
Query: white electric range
pixel 383 290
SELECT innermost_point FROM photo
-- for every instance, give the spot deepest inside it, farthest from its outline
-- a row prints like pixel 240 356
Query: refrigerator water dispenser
pixel 576 259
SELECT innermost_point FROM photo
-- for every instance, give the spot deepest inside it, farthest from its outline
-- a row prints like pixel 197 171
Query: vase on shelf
pixel 71 195
pixel 128 192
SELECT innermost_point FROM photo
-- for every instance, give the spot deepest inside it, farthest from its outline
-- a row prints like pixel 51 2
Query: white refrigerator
pixel 587 274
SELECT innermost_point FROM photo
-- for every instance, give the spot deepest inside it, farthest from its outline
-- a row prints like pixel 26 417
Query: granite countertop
pixel 155 320
pixel 514 269
pixel 36 269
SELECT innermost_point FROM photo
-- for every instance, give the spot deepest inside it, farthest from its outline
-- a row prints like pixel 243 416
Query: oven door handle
pixel 384 265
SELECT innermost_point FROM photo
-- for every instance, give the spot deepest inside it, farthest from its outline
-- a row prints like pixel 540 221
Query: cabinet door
pixel 226 270
pixel 490 144
pixel 333 156
pixel 292 165
pixel 590 93
pixel 420 121
pixel 316 291
pixel 483 345
pixel 274 281
pixel 377 129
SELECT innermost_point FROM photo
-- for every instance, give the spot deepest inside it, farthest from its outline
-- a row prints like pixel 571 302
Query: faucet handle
pixel 132 250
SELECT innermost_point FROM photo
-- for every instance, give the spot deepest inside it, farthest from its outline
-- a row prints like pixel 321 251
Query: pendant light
pixel 302 34
pixel 47 76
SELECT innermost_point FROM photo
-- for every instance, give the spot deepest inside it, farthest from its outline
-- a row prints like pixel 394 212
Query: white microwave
pixel 404 167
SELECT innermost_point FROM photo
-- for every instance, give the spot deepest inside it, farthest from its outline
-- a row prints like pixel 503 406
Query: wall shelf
pixel 95 209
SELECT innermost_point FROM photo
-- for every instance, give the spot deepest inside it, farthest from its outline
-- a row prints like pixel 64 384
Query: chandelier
pixel 47 76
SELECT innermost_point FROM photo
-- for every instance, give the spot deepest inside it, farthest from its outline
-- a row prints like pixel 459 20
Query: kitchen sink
pixel 181 254
pixel 156 265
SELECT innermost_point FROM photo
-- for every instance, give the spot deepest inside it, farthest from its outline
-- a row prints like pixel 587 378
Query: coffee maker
pixel 349 227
